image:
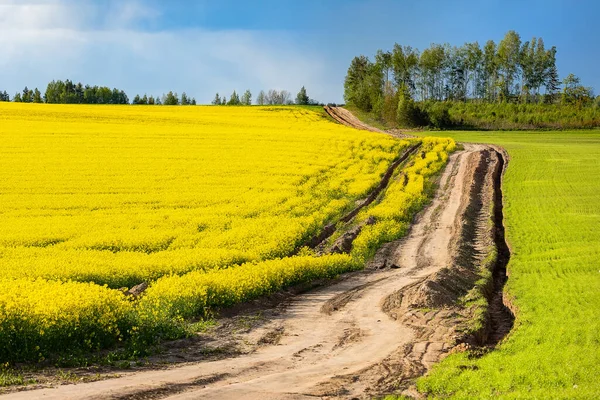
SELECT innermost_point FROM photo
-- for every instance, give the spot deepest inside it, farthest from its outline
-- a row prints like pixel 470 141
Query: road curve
pixel 318 342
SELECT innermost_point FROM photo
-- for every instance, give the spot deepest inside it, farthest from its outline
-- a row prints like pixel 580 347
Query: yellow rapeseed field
pixel 119 195
pixel 205 203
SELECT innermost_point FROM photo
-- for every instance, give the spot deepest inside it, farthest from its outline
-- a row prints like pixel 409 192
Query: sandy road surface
pixel 318 342
pixel 345 117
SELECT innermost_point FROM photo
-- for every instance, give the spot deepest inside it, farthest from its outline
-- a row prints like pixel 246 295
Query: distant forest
pixel 68 92
pixel 408 87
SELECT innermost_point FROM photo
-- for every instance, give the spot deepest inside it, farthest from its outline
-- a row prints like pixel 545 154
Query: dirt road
pixel 338 341
pixel 345 117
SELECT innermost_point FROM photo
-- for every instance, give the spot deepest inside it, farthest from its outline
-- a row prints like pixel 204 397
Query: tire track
pixel 330 229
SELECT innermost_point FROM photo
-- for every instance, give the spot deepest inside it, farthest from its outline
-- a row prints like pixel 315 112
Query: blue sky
pixel 202 47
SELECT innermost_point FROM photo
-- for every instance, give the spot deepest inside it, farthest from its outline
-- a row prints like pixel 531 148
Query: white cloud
pixel 47 40
pixel 68 14
pixel 19 16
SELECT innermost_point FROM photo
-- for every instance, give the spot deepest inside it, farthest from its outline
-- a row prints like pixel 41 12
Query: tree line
pixel 69 92
pixel 169 99
pixel 510 71
pixel 28 95
pixel 234 100
pixel 271 97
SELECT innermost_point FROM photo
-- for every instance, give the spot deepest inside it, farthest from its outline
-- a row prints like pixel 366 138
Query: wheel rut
pixel 330 229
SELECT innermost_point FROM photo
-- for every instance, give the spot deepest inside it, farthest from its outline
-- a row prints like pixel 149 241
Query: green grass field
pixel 552 216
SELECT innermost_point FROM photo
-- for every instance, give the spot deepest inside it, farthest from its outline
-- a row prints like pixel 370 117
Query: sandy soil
pixel 338 341
pixel 345 117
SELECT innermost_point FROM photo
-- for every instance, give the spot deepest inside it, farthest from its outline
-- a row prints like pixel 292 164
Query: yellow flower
pixel 204 203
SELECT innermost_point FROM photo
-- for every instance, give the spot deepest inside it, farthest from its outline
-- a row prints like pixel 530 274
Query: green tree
pixel 431 67
pixel 356 89
pixel 234 99
pixel 247 98
pixel 381 91
pixel 37 96
pixel 506 71
pixel 474 69
pixel 89 94
pixel 457 72
pixel 541 64
pixel 103 95
pixel 536 64
pixel 118 97
pixel 26 97
pixel 375 83
pixel 528 52
pixel 184 99
pixel 302 97
pixel 217 100
pixel 551 80
pixel 68 95
pixel 490 70
pixel 136 99
pixel 79 93
pixel 170 99
pixel 574 92
pixel 509 58
pixel 405 64
pixel 384 60
pixel 17 98
pixel 407 113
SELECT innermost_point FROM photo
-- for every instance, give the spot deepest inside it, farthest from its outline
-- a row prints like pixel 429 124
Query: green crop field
pixel 552 216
